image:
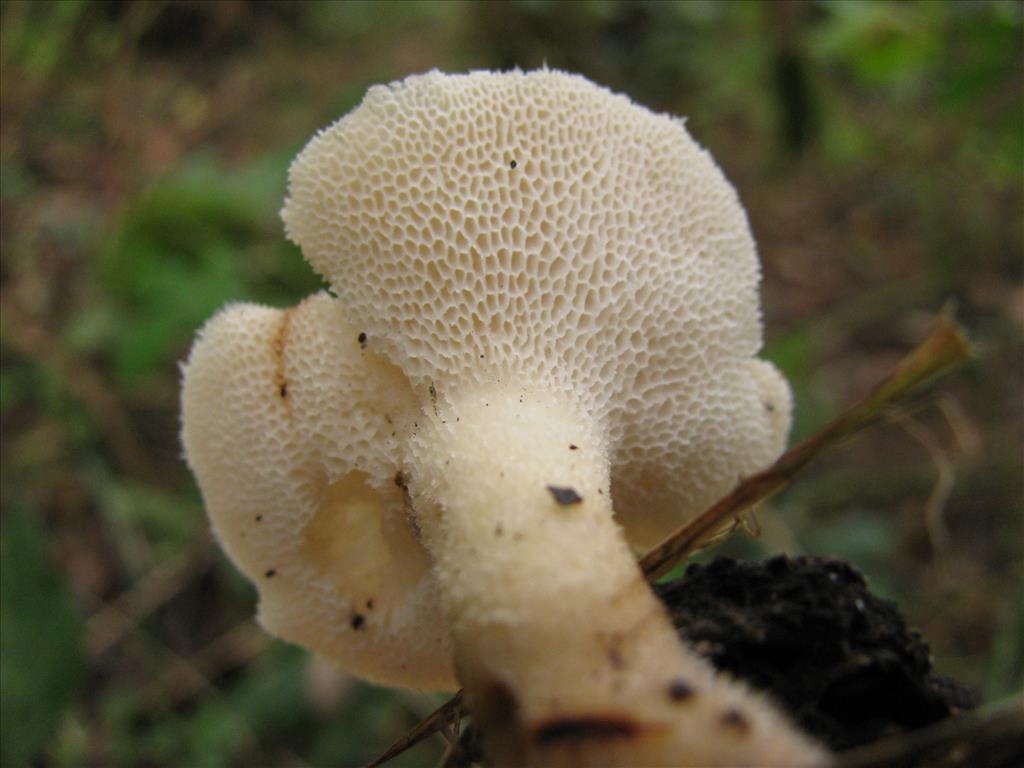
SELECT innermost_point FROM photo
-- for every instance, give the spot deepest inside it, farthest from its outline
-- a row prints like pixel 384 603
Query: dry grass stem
pixel 440 719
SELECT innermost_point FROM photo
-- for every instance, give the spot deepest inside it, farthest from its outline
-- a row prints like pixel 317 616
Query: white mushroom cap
pixel 536 227
pixel 289 426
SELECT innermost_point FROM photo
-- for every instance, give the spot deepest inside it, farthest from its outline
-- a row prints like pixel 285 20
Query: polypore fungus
pixel 556 290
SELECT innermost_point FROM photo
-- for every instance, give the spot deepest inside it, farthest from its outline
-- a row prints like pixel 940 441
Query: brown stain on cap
pixel 277 345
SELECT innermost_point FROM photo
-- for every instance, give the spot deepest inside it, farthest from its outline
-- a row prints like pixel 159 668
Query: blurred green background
pixel 877 147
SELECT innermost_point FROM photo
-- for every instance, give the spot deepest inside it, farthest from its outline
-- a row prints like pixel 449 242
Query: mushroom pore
pixel 546 303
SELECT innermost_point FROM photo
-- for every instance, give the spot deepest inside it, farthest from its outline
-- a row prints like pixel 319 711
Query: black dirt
pixel 808 631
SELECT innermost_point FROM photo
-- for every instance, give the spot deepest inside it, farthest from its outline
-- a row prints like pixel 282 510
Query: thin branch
pixel 113 619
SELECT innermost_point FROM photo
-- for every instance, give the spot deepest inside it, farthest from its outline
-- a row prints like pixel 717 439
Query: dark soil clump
pixel 808 631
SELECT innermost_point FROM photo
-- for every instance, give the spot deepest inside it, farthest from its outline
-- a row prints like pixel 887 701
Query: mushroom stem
pixel 566 656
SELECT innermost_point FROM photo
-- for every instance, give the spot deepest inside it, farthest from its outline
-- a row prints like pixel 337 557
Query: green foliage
pixel 41 643
pixel 192 242
pixel 166 521
pixel 267 705
pixel 888 45
pixel 37 35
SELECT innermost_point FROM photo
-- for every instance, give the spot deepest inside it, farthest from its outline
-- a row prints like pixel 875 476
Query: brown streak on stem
pixel 586 728
pixel 278 344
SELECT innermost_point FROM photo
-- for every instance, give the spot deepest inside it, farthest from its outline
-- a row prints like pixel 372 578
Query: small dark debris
pixel 357 620
pixel 361 338
pixel 564 495
pixel 270 573
pixel 259 518
pixel 680 690
pixel 499 530
pixel 573 447
pixel 283 391
pixel 770 407
pixel 513 164
pixel 369 604
pixel 401 480
pixel 736 720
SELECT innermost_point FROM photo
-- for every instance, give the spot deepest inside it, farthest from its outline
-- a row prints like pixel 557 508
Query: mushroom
pixel 555 292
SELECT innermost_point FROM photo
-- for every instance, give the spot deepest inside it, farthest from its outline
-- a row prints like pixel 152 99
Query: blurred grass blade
pixel 944 348
pixel 448 713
